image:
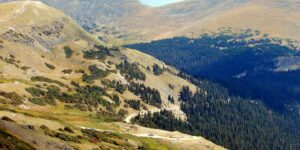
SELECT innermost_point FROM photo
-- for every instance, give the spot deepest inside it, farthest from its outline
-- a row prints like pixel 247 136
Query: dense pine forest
pixel 244 99
pixel 230 121
pixel 249 67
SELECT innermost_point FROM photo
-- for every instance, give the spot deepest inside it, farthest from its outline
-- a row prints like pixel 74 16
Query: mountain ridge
pixel 131 21
pixel 61 88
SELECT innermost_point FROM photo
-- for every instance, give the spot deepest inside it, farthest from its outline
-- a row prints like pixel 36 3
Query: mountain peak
pixel 21 6
pixel 37 24
pixel 24 12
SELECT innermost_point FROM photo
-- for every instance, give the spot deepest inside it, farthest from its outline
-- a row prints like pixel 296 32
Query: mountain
pixel 61 88
pixel 134 22
pixel 275 17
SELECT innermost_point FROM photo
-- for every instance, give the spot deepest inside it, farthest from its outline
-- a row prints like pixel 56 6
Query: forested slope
pixel 250 67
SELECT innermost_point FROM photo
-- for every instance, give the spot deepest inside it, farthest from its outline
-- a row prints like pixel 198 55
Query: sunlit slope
pixel 41 49
pixel 275 20
pixel 131 21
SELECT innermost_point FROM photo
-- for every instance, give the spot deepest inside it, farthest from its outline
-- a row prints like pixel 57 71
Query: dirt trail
pixel 177 139
pixel 150 135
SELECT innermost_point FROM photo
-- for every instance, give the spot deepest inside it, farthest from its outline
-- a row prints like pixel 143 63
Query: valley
pixel 59 83
pixel 196 75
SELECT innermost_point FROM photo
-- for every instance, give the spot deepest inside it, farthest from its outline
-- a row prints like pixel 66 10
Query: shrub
pixel 96 73
pixel 116 99
pixel 68 52
pixel 122 112
pixel 36 91
pixel 38 101
pixel 107 137
pixel 25 68
pixel 67 71
pixel 45 79
pixel 99 54
pixel 135 104
pixel 43 127
pixel 66 137
pixel 49 132
pixel 5 118
pixel 79 71
pixel 42 97
pixel 52 67
pixel 118 86
pixel 50 101
pixel 13 97
pixel 171 99
pixel 131 71
pixel 157 70
pixel 147 94
pixel 59 135
pixel 68 129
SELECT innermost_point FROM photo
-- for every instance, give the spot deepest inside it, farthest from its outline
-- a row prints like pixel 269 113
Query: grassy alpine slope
pixel 61 88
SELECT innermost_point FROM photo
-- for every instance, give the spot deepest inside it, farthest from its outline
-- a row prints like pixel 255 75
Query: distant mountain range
pixel 237 82
pixel 279 18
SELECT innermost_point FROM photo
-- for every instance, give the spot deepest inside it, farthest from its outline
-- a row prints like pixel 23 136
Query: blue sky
pixel 157 3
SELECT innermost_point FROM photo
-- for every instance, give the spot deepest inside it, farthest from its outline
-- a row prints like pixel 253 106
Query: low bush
pixel 13 97
pixel 67 137
pixel 116 99
pixel 67 71
pixel 101 53
pixel 135 104
pixel 131 71
pixel 96 73
pixel 68 52
pixel 45 79
pixel 118 86
pixel 148 95
pixel 59 135
pixel 107 137
pixel 69 129
pixel 157 70
pixel 36 92
pixel 5 118
pixel 38 101
pixel 52 67
pixel 25 68
pixel 43 97
pixel 79 71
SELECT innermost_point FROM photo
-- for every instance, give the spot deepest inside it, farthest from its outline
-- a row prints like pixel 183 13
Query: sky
pixel 157 3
